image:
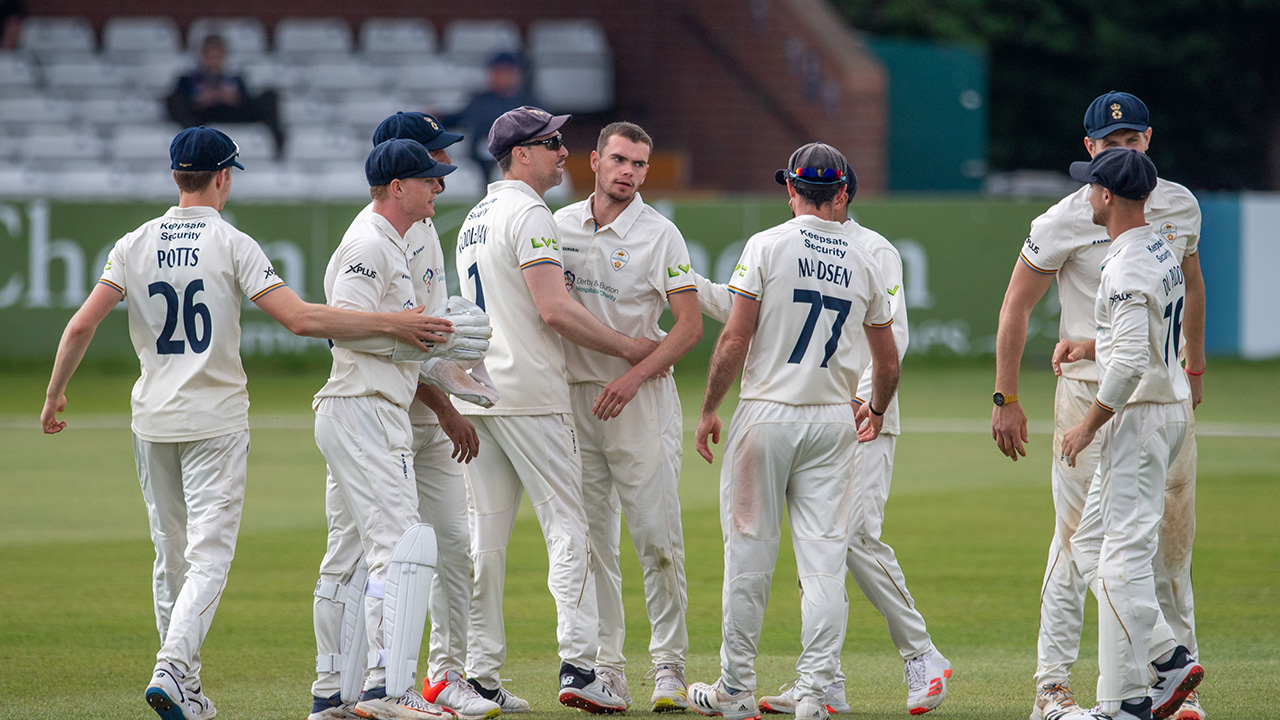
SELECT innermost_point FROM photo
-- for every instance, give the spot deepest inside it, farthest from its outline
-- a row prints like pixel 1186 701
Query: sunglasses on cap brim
pixel 553 143
pixel 818 176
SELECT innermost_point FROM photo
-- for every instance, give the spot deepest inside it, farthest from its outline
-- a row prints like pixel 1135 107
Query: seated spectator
pixel 209 95
pixel 505 92
pixel 11 14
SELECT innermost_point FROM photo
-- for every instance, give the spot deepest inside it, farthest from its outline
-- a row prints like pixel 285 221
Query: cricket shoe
pixel 509 702
pixel 670 693
pixel 331 708
pixel 811 709
pixel 1175 680
pixel 1130 710
pixel 926 676
pixel 171 700
pixel 459 697
pixel 616 680
pixel 1054 701
pixel 585 690
pixel 1191 709
pixel 716 700
pixel 375 704
pixel 785 703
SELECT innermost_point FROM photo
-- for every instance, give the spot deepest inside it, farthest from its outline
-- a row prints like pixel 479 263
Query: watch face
pixel 998 398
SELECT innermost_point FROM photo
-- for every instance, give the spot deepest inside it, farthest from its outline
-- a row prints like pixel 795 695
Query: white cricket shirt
pixel 1065 241
pixel 623 273
pixel 369 272
pixel 509 230
pixel 817 287
pixel 184 273
pixel 889 262
pixel 1139 311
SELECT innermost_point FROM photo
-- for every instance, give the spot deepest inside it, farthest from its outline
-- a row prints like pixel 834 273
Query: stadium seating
pixel 65 98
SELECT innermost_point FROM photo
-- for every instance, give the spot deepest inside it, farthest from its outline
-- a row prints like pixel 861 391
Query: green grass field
pixel 77 634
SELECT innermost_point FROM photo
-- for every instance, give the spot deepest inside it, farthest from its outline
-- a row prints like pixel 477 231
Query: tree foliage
pixel 1209 70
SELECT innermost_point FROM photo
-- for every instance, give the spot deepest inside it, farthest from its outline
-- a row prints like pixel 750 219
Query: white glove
pixel 452 377
pixel 468 341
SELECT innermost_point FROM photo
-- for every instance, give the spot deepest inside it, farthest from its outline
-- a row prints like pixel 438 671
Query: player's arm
pixel 574 322
pixel 1193 325
pixel 886 368
pixel 459 430
pixel 1130 354
pixel 726 363
pixel 684 334
pixel 71 349
pixel 314 320
pixel 890 265
pixel 714 299
pixel 1009 422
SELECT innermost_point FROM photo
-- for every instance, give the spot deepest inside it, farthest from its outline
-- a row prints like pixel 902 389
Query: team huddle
pixel 550 376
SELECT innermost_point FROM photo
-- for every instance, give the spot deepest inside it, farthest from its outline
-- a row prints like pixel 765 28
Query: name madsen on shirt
pixel 831 272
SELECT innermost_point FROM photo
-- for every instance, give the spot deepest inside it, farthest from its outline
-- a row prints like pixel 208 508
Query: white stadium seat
pixel 397 36
pixel 142 35
pixel 22 182
pixel 474 42
pixel 158 74
pixel 62 146
pixel 245 36
pixel 86 76
pixel 322 146
pixel 268 182
pixel 572 65
pixel 341 78
pixel 50 35
pixel 303 36
pixel 255 141
pixel 93 183
pixel 306 111
pixel 573 38
pixel 574 89
pixel 366 111
pixel 122 110
pixel 17 73
pixel 145 146
pixel 36 110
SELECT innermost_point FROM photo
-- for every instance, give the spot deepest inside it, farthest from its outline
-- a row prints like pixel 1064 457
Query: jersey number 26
pixel 165 344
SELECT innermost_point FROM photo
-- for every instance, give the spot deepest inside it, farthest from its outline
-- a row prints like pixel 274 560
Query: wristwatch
pixel 1000 399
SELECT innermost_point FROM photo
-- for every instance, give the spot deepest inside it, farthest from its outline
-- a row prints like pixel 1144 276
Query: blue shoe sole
pixel 164 705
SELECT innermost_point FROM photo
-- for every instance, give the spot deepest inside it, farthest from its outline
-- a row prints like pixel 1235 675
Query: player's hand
pixel 615 396
pixel 1009 430
pixel 416 328
pixel 49 421
pixel 869 425
pixel 640 348
pixel 1067 351
pixel 708 425
pixel 459 430
pixel 471 331
pixel 1076 440
pixel 1197 389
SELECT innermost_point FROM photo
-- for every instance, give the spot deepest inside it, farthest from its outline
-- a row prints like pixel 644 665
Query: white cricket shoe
pixel 810 709
pixel 509 702
pixel 1175 680
pixel 1054 701
pixel 785 702
pixel 670 693
pixel 926 677
pixel 459 697
pixel 588 692
pixel 171 701
pixel 616 680
pixel 375 704
pixel 1191 709
pixel 1137 710
pixel 331 708
pixel 717 701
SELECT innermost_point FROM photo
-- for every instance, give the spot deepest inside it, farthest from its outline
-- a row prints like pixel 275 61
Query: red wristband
pixel 1197 374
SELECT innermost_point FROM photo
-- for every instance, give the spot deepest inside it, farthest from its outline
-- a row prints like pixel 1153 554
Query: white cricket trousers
pixel 795 459
pixel 537 454
pixel 1062 593
pixel 1116 543
pixel 370 501
pixel 442 504
pixel 631 463
pixel 194 493
pixel 871 562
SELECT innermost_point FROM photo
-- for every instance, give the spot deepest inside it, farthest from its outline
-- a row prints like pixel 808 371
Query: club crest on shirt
pixel 1169 231
pixel 619 258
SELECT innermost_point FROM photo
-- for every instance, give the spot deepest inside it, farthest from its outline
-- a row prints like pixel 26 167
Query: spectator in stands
pixel 210 95
pixel 505 92
pixel 11 14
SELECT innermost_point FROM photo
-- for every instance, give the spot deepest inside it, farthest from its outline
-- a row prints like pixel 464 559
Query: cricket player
pixel 870 560
pixel 509 256
pixel 186 272
pixel 363 430
pixel 793 435
pixel 1141 411
pixel 625 263
pixel 1065 244
pixel 442 439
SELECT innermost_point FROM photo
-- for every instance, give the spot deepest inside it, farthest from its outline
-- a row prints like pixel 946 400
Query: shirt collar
pixel 622 224
pixel 519 185
pixel 1142 233
pixel 818 223
pixel 388 229
pixel 192 212
pixel 1158 199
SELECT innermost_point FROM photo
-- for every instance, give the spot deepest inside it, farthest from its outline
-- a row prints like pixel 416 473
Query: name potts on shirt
pixel 178 257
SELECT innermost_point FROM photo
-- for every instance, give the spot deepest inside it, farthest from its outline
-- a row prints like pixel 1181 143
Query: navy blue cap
pixel 1115 111
pixel 415 126
pixel 399 159
pixel 1124 171
pixel 523 123
pixel 202 149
